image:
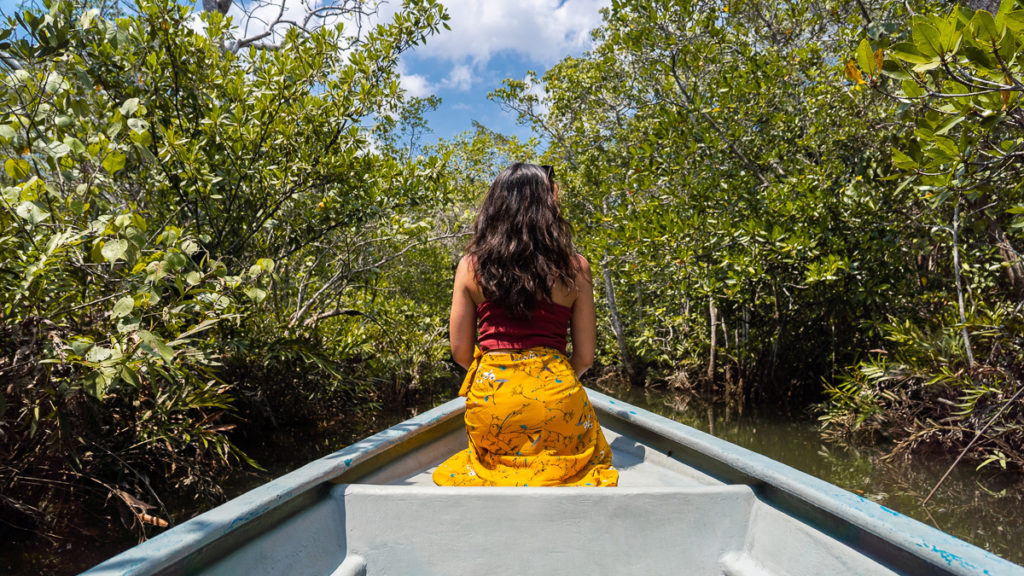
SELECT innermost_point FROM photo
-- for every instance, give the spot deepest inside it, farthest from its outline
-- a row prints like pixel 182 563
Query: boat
pixel 687 503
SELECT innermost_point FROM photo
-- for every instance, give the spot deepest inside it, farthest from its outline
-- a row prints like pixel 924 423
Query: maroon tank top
pixel 547 326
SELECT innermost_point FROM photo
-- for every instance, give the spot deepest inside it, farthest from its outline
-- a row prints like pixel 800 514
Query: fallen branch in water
pixel 969 444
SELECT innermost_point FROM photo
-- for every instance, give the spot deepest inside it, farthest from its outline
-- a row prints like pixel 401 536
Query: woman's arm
pixel 462 322
pixel 584 324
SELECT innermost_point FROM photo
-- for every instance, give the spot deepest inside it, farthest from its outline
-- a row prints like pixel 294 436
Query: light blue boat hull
pixel 687 503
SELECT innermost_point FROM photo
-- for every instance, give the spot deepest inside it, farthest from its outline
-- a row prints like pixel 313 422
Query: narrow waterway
pixel 982 507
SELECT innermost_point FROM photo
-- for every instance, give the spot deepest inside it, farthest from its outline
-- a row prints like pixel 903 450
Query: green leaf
pixel 893 69
pixel 130 106
pixel 175 261
pixel 1015 21
pixel 97 354
pixel 949 37
pixel 901 160
pixel 266 264
pixel 123 307
pixel 985 28
pixel 912 89
pixel 189 247
pixel 202 326
pixel 257 295
pixel 57 149
pixel 138 125
pixel 926 39
pixel 6 132
pixel 866 57
pixel 17 168
pixel 978 57
pixel 946 145
pixel 75 145
pixel 909 52
pixel 129 376
pixel 114 161
pixel 114 250
pixel 155 346
pixel 143 139
pixel 29 211
pixel 949 124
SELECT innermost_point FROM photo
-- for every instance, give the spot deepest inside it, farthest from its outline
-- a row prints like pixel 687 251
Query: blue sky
pixel 489 40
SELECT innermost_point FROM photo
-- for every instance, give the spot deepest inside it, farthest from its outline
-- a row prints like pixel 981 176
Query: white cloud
pixel 258 16
pixel 538 32
pixel 541 31
pixel 416 85
pixel 460 78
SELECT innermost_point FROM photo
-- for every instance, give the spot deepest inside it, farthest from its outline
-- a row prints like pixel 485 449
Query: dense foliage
pixel 194 238
pixel 758 236
pixel 952 373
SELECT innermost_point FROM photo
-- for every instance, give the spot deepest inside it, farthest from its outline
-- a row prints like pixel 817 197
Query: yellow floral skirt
pixel 529 423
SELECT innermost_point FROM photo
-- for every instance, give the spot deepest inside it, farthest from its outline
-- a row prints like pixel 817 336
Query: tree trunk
pixel 959 284
pixel 713 324
pixel 620 333
pixel 216 6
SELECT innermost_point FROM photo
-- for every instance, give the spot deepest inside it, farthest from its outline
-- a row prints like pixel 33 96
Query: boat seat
pixel 391 530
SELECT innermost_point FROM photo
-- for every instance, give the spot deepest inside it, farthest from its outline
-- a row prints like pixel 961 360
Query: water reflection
pixel 981 507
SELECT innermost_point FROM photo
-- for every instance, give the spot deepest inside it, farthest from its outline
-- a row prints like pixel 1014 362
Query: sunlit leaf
pixel 123 307
pixel 114 250
pixel 17 168
pixel 114 161
pixel 985 28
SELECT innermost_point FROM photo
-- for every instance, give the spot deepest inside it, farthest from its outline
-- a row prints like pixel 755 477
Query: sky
pixel 489 41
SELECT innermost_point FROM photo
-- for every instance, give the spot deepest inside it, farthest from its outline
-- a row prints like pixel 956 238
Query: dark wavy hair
pixel 521 243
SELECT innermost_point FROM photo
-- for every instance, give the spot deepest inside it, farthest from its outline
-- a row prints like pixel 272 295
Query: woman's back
pixel 521 282
pixel 566 306
pixel 546 326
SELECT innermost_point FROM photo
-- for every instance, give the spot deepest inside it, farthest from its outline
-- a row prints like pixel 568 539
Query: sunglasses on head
pixel 549 170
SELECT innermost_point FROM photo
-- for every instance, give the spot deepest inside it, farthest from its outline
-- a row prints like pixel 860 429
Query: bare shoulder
pixel 465 278
pixel 585 273
pixel 566 294
pixel 465 266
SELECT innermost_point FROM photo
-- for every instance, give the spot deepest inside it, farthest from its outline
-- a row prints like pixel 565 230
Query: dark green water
pixel 983 507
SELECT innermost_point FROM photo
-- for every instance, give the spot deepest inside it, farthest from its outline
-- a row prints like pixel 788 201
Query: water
pixel 982 507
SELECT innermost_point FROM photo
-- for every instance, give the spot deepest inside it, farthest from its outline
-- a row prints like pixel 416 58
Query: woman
pixel 527 416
